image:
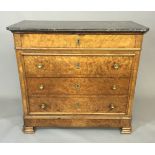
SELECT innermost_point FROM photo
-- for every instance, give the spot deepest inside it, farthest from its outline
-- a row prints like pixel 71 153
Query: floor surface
pixel 11 127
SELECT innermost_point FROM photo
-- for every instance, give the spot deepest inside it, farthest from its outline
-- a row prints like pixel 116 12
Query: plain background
pixel 10 98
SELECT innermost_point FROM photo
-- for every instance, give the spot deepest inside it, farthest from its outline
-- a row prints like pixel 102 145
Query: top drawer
pixel 77 41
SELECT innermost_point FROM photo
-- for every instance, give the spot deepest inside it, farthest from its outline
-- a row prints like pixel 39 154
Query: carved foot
pixel 126 130
pixel 28 130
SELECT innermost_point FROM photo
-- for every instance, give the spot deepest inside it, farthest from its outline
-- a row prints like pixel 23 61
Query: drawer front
pixel 72 66
pixel 81 86
pixel 76 105
pixel 77 41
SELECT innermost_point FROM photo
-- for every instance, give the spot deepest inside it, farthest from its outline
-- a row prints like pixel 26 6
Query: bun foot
pixel 126 130
pixel 28 130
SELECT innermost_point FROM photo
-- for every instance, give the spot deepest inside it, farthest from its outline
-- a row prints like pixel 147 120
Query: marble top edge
pixel 77 26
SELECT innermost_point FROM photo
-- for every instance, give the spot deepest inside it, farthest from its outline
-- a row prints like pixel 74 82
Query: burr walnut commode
pixel 77 74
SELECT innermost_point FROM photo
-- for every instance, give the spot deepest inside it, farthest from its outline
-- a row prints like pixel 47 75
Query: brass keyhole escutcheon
pixel 77 105
pixel 39 66
pixel 43 106
pixel 77 86
pixel 77 65
pixel 78 42
pixel 116 66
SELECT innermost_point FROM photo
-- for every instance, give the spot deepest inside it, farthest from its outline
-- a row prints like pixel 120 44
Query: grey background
pixel 10 99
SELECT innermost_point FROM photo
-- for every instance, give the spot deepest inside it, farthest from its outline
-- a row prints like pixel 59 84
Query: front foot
pixel 28 130
pixel 126 130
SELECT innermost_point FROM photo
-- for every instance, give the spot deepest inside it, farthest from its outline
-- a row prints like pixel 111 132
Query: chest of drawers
pixel 77 74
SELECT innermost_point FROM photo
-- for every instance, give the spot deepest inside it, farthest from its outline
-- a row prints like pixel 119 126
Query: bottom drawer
pixel 77 105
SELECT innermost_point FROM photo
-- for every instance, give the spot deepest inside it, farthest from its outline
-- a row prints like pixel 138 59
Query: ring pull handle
pixel 116 66
pixel 41 87
pixel 43 106
pixel 39 66
pixel 114 87
pixel 112 106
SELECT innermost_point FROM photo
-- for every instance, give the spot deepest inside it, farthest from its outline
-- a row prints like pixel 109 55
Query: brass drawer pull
pixel 114 87
pixel 77 86
pixel 78 42
pixel 43 106
pixel 77 65
pixel 112 106
pixel 41 87
pixel 39 66
pixel 116 66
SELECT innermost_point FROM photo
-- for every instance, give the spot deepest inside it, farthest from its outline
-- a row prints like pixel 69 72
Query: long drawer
pixel 83 66
pixel 74 105
pixel 78 41
pixel 80 86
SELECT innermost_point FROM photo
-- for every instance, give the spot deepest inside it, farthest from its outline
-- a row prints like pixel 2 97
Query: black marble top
pixel 77 26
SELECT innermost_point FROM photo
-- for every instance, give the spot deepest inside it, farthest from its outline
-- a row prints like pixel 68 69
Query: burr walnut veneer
pixel 77 74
